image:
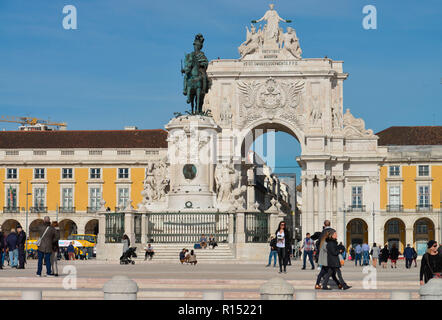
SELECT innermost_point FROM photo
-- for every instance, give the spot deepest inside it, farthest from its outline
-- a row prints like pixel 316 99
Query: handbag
pixel 341 260
pixel 39 239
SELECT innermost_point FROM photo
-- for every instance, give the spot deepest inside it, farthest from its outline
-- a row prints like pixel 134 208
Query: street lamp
pixel 27 222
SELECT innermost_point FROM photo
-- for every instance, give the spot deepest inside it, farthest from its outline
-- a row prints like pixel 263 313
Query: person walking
pixel 341 249
pixel 21 243
pixel 71 251
pixel 408 255
pixel 365 254
pixel 45 244
pixel 394 255
pixel 383 257
pixel 55 249
pixel 308 245
pixel 273 251
pixel 126 243
pixel 431 263
pixel 333 261
pixel 375 251
pixel 12 246
pixel 352 253
pixel 358 254
pixel 321 253
pixel 415 256
pixel 283 244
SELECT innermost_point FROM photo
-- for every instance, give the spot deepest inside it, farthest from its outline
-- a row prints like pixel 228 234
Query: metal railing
pixel 114 230
pixel 356 208
pixel 186 227
pixel 256 227
pixel 66 209
pixel 395 208
pixel 11 209
pixel 39 209
pixel 424 208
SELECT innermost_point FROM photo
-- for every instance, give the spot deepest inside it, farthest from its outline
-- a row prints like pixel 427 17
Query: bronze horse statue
pixel 196 83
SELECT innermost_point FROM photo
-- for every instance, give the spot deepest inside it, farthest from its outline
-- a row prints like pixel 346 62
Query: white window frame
pixel 128 173
pixel 118 194
pixel 90 173
pixel 67 186
pixel 44 173
pixel 429 171
pixel 389 194
pixel 39 186
pixel 16 187
pixel 400 171
pixel 89 195
pixel 61 173
pixel 418 186
pixel 16 173
pixel 362 196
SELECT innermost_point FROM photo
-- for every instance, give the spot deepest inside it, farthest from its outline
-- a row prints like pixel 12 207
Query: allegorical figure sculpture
pixel 271 30
pixel 196 83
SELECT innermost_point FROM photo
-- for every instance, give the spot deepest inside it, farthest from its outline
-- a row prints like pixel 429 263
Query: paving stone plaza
pixel 181 282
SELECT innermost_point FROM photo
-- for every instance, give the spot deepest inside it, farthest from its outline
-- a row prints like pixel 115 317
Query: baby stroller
pixel 126 257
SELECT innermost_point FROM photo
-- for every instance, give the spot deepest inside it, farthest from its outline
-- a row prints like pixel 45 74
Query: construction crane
pixel 33 124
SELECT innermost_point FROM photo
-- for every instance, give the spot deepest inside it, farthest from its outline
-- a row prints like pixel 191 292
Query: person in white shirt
pixel 283 245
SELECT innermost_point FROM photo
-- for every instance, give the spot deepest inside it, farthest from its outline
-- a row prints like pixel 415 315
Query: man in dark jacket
pixel 47 238
pixel 408 255
pixel 11 243
pixel 21 242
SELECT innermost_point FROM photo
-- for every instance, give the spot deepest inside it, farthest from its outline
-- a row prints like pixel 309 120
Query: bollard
pixel 276 289
pixel 213 295
pixel 31 295
pixel 400 295
pixel 120 288
pixel 305 295
pixel 432 290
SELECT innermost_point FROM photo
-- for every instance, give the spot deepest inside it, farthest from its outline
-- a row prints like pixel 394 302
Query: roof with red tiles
pixel 83 139
pixel 411 136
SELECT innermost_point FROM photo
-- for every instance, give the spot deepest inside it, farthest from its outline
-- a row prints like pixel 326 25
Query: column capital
pixel 308 177
pixel 339 178
pixel 321 177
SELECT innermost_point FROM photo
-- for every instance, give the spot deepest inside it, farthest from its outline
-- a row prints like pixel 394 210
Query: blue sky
pixel 122 65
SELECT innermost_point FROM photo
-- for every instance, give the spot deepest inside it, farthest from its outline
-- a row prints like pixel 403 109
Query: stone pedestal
pixel 192 158
pixel 120 288
pixel 276 289
pixel 432 290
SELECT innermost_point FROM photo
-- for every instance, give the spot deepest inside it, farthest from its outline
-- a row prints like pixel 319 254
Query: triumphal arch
pixel 271 86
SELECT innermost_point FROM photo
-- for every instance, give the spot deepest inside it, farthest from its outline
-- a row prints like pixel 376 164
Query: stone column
pixel 231 238
pixel 250 188
pixel 329 200
pixel 321 199
pixel 240 224
pixel 143 229
pixel 101 237
pixel 340 227
pixel 310 206
pixel 408 237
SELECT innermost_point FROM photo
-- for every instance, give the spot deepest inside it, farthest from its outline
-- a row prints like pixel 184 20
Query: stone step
pixel 197 295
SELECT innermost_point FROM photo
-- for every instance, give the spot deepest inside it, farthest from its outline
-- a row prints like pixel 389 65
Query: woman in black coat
pixel 283 245
pixel 333 261
pixel 431 263
pixel 394 255
pixel 383 257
